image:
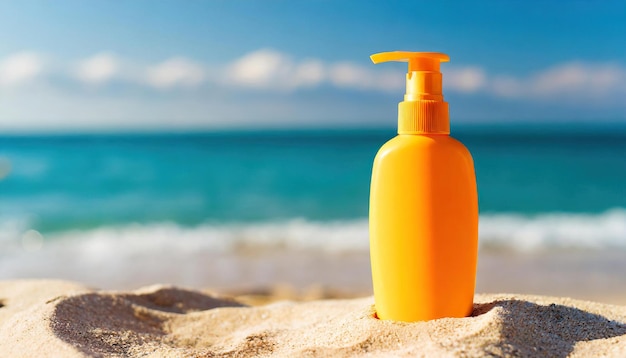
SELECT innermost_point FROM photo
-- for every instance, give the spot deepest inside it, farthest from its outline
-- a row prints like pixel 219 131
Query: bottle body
pixel 423 228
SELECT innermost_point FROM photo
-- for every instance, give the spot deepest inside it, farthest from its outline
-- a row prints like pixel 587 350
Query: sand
pixel 43 318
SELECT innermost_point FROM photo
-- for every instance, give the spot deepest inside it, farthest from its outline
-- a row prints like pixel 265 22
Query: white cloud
pixel 269 69
pixel 572 80
pixel 579 79
pixel 62 104
pixel 465 79
pixel 387 80
pixel 263 68
pixel 273 70
pixel 98 69
pixel 175 72
pixel 309 73
pixel 348 75
pixel 20 68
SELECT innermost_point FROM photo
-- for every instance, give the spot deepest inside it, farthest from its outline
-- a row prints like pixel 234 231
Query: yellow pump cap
pixel 423 109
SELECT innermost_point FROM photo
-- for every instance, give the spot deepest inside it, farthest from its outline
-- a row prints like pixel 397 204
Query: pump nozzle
pixel 418 61
pixel 423 109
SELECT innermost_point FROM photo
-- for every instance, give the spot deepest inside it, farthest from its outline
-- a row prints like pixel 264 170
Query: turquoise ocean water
pixel 540 187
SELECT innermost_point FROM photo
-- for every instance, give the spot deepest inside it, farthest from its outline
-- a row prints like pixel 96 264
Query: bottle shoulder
pixel 421 143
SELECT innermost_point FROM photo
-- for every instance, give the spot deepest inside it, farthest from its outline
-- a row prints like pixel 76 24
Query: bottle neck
pixel 423 117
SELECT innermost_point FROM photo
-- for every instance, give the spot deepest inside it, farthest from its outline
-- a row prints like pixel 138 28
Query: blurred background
pixel 228 144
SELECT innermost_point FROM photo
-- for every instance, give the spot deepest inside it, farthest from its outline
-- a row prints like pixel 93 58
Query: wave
pixel 515 231
pixel 107 255
pixel 553 231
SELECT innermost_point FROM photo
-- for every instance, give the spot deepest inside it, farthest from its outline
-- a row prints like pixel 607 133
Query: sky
pixel 75 65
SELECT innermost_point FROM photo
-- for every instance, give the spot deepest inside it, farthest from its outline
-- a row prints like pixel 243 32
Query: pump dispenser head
pixel 423 110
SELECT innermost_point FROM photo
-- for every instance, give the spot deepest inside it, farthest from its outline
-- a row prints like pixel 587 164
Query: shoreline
pixel 590 275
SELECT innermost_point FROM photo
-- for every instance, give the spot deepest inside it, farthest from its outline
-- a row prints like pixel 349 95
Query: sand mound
pixel 48 318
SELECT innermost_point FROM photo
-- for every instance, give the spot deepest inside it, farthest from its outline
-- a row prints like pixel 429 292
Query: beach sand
pixel 44 318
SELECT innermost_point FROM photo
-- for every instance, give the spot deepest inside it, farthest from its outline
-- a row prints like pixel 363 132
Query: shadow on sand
pixel 547 331
pixel 103 324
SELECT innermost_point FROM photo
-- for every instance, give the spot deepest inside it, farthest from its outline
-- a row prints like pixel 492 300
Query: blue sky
pixel 105 65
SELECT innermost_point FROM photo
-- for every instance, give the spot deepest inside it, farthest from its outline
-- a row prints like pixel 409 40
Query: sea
pixel 83 205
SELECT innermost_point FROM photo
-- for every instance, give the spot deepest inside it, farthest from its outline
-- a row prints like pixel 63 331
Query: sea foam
pixel 514 231
pixel 115 250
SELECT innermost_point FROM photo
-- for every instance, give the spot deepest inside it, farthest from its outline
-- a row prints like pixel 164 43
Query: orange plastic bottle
pixel 423 206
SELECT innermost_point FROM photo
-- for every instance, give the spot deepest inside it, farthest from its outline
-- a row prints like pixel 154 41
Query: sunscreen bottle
pixel 423 205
